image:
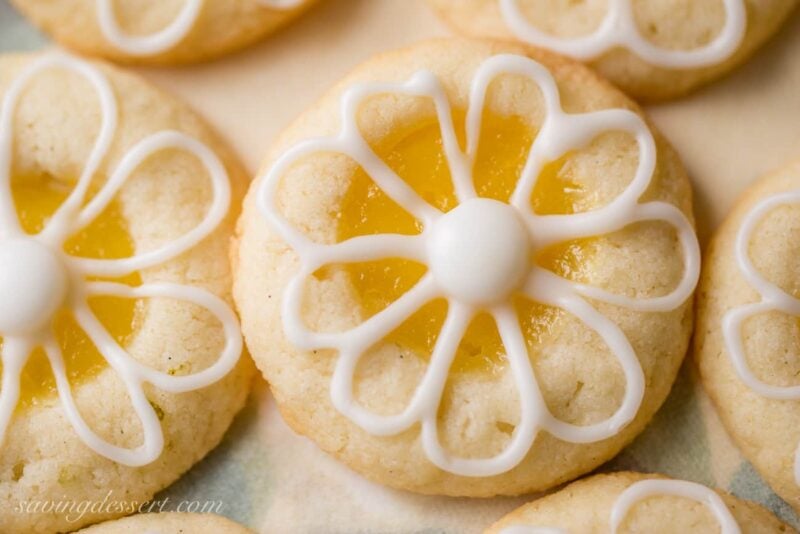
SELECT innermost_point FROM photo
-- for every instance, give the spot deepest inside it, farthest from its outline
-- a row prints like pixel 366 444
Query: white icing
pixel 479 252
pixel 620 30
pixel 169 37
pixel 646 489
pixel 33 285
pixel 560 133
pixel 43 278
pixel 154 43
pixel 772 298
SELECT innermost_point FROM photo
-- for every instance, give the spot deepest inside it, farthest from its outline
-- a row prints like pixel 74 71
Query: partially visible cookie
pixel 653 50
pixel 638 503
pixel 162 32
pixel 121 356
pixel 169 523
pixel 747 342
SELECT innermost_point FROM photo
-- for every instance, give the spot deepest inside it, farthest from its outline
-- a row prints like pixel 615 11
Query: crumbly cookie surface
pixel 44 465
pixel 579 378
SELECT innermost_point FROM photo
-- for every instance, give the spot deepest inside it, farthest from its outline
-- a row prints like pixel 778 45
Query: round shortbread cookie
pixel 169 523
pixel 746 343
pixel 653 50
pixel 109 187
pixel 634 502
pixel 159 32
pixel 602 369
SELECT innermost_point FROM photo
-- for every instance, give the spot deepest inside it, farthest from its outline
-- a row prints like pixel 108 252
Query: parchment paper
pixel 274 481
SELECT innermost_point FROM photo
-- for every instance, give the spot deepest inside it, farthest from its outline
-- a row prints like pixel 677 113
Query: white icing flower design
pixel 477 256
pixel 619 29
pixel 772 298
pixel 37 278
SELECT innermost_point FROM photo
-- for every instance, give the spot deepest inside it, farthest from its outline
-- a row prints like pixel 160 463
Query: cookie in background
pixel 653 50
pixel 169 523
pixel 159 32
pixel 638 503
pixel 747 343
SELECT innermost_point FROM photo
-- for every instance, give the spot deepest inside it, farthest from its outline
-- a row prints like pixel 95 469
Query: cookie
pixel 633 502
pixel 654 50
pixel 446 304
pixel 747 334
pixel 161 32
pixel 121 359
pixel 169 523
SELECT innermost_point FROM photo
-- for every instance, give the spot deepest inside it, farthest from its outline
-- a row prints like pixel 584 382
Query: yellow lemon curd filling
pixel 36 199
pixel 418 157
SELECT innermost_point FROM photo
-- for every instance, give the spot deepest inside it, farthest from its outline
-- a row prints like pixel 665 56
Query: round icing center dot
pixel 480 251
pixel 33 286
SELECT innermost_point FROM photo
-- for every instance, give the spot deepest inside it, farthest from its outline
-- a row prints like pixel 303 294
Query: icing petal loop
pixel 560 133
pixel 619 30
pixel 645 489
pixel 772 298
pixel 74 214
pixel 168 37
